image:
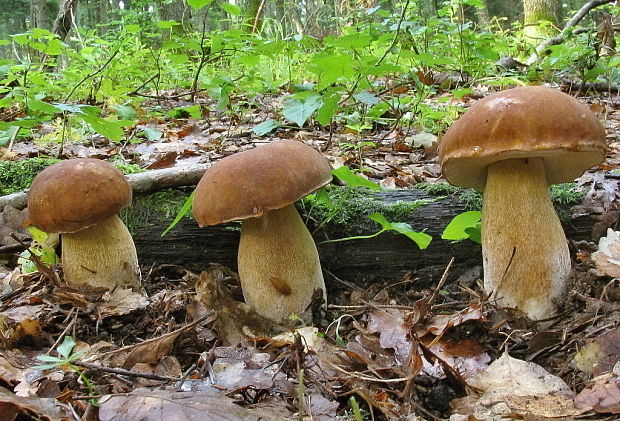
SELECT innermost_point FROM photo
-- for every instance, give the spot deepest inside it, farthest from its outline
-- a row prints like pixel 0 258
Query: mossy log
pixel 387 257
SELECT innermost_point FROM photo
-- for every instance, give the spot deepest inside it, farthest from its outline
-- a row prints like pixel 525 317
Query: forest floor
pixel 190 350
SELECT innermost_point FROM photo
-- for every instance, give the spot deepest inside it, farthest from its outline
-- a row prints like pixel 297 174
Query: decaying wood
pixel 388 257
pixel 141 183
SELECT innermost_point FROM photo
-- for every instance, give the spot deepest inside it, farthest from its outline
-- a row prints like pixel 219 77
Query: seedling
pixel 65 361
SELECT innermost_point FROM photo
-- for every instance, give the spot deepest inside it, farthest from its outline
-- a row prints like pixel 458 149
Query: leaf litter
pixel 190 349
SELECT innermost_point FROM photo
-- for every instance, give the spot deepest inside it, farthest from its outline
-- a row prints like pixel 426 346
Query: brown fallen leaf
pixel 14 407
pixel 393 331
pixel 600 355
pixel 602 396
pixel 18 323
pixel 517 388
pixel 607 258
pixel 166 405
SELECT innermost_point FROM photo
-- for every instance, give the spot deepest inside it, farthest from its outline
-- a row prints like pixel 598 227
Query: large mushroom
pixel 81 199
pixel 278 262
pixel 513 145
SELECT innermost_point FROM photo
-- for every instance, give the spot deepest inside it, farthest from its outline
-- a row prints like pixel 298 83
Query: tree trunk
pixel 536 12
pixel 65 18
pixel 175 11
pixel 253 16
pixel 39 14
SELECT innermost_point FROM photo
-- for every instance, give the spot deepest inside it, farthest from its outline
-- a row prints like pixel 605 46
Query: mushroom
pixel 512 145
pixel 278 263
pixel 80 199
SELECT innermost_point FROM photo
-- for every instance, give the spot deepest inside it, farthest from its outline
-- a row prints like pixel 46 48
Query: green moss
pixel 18 175
pixel 158 209
pixel 437 189
pixel 566 194
pixel 341 205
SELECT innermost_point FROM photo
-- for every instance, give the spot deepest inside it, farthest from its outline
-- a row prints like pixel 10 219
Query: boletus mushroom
pixel 81 199
pixel 278 262
pixel 512 145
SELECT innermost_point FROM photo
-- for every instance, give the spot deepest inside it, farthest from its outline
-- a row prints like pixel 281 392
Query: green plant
pixel 65 361
pixel 466 225
pixel 42 246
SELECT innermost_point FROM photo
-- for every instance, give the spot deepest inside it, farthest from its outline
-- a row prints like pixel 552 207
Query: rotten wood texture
pixel 388 257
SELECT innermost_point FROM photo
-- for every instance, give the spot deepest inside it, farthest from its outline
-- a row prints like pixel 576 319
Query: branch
pixel 144 182
pixel 581 13
pixel 91 75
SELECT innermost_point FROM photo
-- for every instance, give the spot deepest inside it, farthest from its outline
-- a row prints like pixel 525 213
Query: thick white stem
pixel 103 255
pixel 279 265
pixel 524 249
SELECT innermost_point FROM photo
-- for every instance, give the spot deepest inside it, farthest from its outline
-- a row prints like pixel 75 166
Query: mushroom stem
pixel 279 265
pixel 524 249
pixel 102 255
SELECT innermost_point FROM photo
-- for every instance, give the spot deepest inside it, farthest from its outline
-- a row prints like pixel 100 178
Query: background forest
pixel 339 61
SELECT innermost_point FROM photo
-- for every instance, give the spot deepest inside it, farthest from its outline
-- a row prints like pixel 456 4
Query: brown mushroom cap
pixel 246 184
pixel 75 194
pixel 530 121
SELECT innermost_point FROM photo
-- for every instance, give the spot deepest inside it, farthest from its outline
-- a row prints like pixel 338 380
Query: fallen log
pixel 387 257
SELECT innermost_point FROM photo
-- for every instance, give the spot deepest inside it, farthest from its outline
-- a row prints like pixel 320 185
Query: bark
pixel 39 17
pixel 65 18
pixel 534 13
pixel 253 15
pixel 388 257
pixel 176 11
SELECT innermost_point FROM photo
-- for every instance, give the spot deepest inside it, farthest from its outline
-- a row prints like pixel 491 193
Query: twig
pixel 442 281
pixel 400 22
pixel 91 75
pixel 64 332
pixel 203 58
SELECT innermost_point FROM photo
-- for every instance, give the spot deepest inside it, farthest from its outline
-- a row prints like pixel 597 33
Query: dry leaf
pixel 515 387
pixel 607 258
pixel 165 405
pixel 14 407
pixel 603 396
pixel 393 332
pixel 600 355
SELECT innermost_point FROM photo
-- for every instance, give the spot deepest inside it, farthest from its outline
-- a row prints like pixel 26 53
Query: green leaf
pixel 37 235
pixel 420 238
pixel 300 110
pixel 7 135
pixel 187 206
pixel 49 358
pixel 265 127
pixel 43 107
pixel 167 24
pixel 109 129
pixel 133 28
pixel 198 4
pixel 126 112
pixel 328 109
pixel 367 98
pixel 66 347
pixel 153 135
pixel 354 180
pixel 464 226
pixel 231 9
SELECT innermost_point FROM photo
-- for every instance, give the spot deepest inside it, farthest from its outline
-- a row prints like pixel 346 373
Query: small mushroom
pixel 278 262
pixel 80 199
pixel 513 145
